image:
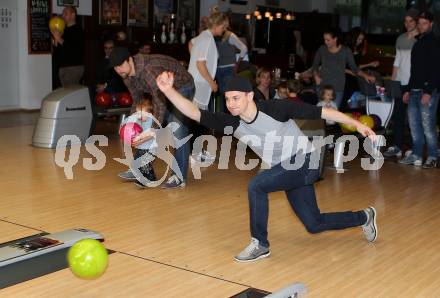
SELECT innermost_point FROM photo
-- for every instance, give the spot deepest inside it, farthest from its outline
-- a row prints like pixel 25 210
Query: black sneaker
pixel 393 151
pixel 174 182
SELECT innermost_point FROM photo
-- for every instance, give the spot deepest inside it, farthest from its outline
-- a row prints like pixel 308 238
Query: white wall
pixel 84 7
pixel 34 71
pixel 24 79
pixel 8 56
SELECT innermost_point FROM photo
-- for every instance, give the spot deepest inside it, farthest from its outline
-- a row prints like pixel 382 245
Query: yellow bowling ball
pixel 57 24
pixel 87 258
pixel 347 128
pixel 367 121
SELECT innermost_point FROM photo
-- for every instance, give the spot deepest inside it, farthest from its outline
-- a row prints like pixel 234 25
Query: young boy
pixel 282 91
pixel 144 143
pixel 260 120
pixel 294 88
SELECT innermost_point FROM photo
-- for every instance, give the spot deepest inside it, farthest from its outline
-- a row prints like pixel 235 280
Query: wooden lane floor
pixel 200 228
pixel 11 231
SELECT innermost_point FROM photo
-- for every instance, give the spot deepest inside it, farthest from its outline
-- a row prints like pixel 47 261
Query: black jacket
pixel 106 74
pixel 71 52
pixel 425 66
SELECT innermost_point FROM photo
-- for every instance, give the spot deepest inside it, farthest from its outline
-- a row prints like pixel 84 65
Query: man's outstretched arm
pixel 165 83
pixel 335 115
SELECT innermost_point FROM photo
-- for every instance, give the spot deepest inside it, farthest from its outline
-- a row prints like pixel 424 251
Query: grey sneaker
pixel 127 175
pixel 411 159
pixel 254 251
pixel 370 227
pixel 430 163
pixel 393 151
pixel 173 182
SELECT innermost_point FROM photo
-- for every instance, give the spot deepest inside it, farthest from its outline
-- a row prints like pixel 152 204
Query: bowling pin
pixel 183 36
pixel 163 37
pixel 171 33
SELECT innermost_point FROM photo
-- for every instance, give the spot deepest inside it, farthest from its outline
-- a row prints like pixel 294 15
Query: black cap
pixel 118 56
pixel 239 84
pixel 426 15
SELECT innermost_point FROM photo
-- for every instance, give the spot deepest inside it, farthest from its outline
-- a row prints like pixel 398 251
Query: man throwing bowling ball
pixel 260 120
pixel 69 49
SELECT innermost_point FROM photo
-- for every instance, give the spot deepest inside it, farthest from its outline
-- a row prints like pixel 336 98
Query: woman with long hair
pixel 330 62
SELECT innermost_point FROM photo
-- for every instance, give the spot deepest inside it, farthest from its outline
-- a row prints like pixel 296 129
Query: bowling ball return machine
pixel 65 111
pixel 295 290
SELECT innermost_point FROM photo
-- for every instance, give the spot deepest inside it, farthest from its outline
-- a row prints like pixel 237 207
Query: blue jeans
pixel 339 96
pixel 181 154
pixel 298 185
pixel 222 76
pixel 422 122
pixel 399 118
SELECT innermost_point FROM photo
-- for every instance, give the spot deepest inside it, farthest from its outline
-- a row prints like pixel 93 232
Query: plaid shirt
pixel 147 68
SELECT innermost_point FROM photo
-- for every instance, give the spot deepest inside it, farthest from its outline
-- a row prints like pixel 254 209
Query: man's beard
pixel 124 75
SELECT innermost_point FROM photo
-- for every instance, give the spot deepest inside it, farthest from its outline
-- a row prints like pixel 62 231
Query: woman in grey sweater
pixel 330 63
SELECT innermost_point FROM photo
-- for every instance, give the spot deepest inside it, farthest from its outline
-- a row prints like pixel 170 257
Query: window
pixel 349 13
pixel 385 16
pixel 376 16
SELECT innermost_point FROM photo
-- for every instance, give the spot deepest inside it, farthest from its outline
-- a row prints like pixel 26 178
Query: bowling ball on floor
pixel 103 99
pixel 57 24
pixel 129 131
pixel 367 121
pixel 125 99
pixel 87 259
